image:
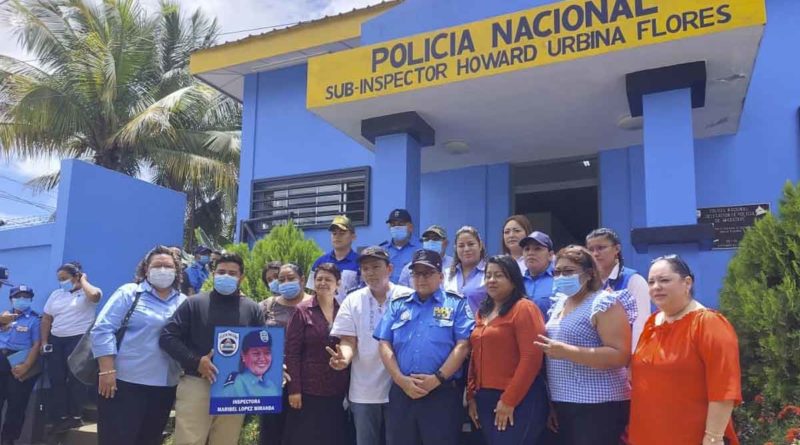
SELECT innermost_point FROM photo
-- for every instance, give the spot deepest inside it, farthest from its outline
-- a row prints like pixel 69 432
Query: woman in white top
pixel 607 252
pixel 68 314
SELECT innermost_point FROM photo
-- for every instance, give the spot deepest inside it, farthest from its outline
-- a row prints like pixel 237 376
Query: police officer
pixel 198 272
pixel 400 246
pixel 256 359
pixel 424 339
pixel 20 334
pixel 537 251
pixel 433 238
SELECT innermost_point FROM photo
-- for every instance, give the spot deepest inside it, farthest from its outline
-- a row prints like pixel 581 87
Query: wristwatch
pixel 440 376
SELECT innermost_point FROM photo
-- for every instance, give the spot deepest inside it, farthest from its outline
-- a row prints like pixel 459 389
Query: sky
pixel 233 16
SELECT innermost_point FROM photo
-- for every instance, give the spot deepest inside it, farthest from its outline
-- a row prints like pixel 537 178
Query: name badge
pixel 22 329
pixel 443 313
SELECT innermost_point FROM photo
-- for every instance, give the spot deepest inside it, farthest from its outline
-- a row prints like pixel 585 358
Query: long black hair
pixel 510 269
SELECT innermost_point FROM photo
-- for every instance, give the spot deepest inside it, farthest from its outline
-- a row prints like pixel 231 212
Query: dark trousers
pixel 432 420
pixel 136 415
pixel 591 423
pixel 271 425
pixel 14 395
pixel 530 416
pixel 68 394
pixel 321 420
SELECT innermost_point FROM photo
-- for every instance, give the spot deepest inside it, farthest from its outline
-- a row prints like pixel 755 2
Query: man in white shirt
pixel 359 314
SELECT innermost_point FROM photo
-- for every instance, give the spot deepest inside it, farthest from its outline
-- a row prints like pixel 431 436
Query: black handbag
pixel 81 361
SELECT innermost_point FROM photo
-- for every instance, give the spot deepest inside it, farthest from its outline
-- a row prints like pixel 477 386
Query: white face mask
pixel 161 277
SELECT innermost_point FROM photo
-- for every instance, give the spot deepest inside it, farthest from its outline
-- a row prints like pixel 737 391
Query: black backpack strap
pixel 124 326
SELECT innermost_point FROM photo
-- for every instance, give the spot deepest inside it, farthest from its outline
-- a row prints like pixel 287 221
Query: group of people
pixel 401 344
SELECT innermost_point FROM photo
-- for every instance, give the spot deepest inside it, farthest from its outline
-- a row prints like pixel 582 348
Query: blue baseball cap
pixel 202 250
pixel 257 339
pixel 540 238
pixel 399 215
pixel 21 289
pixel 427 258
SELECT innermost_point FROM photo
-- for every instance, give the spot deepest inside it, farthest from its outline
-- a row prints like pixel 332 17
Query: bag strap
pixel 124 326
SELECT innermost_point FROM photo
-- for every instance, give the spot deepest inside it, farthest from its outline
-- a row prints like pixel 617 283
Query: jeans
pixel 370 420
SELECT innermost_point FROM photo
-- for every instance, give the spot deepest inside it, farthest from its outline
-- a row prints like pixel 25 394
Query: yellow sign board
pixel 540 36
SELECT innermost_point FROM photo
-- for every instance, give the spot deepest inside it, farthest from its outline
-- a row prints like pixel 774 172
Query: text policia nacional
pixel 563 32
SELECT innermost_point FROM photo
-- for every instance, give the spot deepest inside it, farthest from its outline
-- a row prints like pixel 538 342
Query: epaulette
pixel 384 244
pixel 453 294
pixel 404 294
pixel 231 378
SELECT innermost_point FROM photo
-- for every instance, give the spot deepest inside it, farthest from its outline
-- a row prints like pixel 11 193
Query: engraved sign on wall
pixel 730 222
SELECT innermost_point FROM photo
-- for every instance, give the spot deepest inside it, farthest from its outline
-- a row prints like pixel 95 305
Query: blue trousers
pixel 432 420
pixel 530 416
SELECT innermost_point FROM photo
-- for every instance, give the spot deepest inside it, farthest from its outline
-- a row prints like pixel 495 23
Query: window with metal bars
pixel 311 201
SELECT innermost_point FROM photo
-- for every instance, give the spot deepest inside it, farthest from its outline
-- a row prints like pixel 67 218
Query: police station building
pixel 673 122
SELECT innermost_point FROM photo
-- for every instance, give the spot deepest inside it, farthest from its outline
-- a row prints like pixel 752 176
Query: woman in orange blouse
pixel 685 371
pixel 506 395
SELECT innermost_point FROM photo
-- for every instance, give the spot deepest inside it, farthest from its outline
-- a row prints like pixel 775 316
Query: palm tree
pixel 111 85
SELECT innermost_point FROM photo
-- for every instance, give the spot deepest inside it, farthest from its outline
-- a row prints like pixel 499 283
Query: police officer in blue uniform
pixel 198 272
pixel 256 359
pixel 19 332
pixel 400 246
pixel 424 339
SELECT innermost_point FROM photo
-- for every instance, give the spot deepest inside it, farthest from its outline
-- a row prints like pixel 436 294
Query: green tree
pixel 761 298
pixel 285 243
pixel 111 85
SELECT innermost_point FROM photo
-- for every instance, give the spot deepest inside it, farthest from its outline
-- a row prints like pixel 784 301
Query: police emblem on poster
pixel 250 364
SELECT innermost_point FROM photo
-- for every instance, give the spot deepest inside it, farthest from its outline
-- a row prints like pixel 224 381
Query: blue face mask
pixel 66 285
pixel 399 233
pixel 21 304
pixel 225 284
pixel 433 245
pixel 568 286
pixel 204 259
pixel 274 285
pixel 289 290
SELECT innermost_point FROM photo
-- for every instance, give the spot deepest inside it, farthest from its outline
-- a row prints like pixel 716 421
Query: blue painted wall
pixel 476 196
pixel 747 168
pixel 105 220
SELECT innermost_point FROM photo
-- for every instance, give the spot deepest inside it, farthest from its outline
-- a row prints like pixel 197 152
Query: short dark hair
pixel 73 268
pixel 141 268
pixel 296 269
pixel 331 269
pixel 231 257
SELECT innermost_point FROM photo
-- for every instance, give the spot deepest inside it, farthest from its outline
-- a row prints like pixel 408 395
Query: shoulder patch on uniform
pixel 402 294
pixel 231 378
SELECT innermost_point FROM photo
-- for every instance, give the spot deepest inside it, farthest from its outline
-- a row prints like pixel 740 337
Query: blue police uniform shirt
pixel 423 334
pixel 399 257
pixel 197 275
pixel 21 333
pixel 247 384
pixel 540 289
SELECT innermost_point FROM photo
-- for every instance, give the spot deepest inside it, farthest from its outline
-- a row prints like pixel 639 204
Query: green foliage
pixel 285 243
pixel 761 298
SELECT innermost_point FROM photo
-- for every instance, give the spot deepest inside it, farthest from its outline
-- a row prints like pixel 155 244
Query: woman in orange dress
pixel 685 371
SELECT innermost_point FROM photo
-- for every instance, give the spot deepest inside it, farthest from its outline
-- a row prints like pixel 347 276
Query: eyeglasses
pixel 598 249
pixel 432 238
pixel 566 272
pixel 426 274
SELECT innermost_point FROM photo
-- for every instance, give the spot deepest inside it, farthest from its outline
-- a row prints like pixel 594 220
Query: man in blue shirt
pixel 433 238
pixel 537 250
pixel 424 339
pixel 198 272
pixel 19 334
pixel 400 246
pixel 343 234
